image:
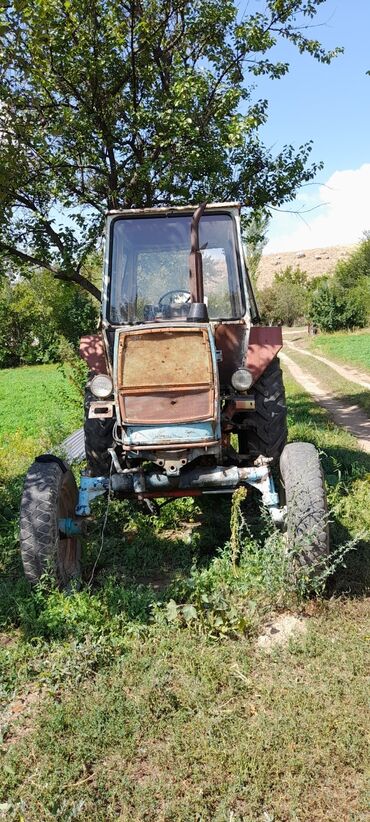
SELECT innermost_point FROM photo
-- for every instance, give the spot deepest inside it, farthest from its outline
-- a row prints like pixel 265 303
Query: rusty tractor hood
pixel 167 384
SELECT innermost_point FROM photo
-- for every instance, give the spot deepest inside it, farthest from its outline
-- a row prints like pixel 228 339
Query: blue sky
pixel 331 106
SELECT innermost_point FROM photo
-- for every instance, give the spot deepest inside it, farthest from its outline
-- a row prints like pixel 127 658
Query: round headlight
pixel 101 386
pixel 241 379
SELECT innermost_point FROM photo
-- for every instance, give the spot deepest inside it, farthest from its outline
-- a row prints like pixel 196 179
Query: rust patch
pixel 231 339
pixel 165 376
pixel 92 350
pixel 182 492
pixel 165 357
pixel 171 446
pixel 264 344
pixel 157 408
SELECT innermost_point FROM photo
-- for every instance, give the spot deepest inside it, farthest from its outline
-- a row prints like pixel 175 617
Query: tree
pixel 135 103
pixel 334 308
pixel 255 239
pixel 344 300
pixel 37 315
pixel 356 267
pixel 286 300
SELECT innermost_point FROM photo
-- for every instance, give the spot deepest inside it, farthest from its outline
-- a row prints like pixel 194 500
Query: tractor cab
pixel 149 273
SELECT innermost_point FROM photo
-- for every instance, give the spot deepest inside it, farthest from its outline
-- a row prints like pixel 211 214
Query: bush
pixel 286 300
pixel 334 307
pixel 356 269
pixel 344 300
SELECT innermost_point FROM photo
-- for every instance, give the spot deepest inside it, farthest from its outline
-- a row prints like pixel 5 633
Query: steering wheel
pixel 174 291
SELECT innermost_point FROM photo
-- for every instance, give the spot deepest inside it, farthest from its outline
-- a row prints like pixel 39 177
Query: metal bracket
pixel 262 479
pixel 70 527
pixel 90 488
pixel 101 410
pixel 172 466
pixel 139 482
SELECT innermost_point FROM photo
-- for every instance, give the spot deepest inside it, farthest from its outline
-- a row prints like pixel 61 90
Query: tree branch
pixel 17 254
pixel 77 278
pixel 54 236
pixel 72 277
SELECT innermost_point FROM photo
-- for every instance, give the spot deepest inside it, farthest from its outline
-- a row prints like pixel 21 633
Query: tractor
pixel 185 395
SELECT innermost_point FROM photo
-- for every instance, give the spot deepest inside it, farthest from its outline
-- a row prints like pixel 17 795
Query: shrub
pixel 352 271
pixel 334 307
pixel 344 300
pixel 286 300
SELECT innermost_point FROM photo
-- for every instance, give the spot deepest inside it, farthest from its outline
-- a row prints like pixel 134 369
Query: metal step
pixel 73 447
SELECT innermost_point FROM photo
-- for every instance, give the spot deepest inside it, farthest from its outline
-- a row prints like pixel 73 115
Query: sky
pixel 329 104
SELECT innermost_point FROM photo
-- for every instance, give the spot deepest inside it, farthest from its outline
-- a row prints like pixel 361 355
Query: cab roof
pixel 188 209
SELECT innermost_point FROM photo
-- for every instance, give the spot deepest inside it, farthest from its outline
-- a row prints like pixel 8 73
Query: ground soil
pixel 350 417
pixel 352 374
pixel 314 261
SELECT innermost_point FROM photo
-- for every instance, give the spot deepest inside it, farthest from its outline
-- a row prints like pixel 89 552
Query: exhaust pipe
pixel 198 310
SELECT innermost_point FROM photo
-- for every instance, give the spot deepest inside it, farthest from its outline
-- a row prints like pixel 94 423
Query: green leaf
pixel 189 613
pixel 172 611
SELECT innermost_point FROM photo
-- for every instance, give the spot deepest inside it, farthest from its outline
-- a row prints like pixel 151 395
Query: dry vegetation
pixel 314 261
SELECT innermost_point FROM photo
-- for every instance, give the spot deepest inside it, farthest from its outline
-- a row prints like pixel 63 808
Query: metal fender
pixel 92 350
pixel 263 345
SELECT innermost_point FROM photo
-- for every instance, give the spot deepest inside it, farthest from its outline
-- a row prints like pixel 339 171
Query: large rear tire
pixel 49 493
pixel 307 512
pixel 266 426
pixel 98 438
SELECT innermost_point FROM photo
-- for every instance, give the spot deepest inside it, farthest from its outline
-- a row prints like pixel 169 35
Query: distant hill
pixel 314 261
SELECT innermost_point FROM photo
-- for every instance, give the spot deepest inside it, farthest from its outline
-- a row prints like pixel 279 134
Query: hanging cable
pixel 103 527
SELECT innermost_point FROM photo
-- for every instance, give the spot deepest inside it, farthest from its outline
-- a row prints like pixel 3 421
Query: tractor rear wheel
pixel 49 494
pixel 98 438
pixel 307 512
pixel 266 427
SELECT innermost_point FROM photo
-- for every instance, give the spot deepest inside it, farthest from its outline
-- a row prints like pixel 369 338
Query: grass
pixel 37 400
pixel 145 696
pixel 38 408
pixel 180 728
pixel 349 348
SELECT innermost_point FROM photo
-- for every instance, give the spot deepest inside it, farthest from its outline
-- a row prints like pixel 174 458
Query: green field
pixel 36 399
pixel 349 348
pixel 145 695
pixel 39 407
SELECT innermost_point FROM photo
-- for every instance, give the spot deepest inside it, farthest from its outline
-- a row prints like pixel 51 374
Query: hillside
pixel 314 261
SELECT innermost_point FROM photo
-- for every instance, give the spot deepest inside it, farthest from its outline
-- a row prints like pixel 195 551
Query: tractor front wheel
pixel 49 494
pixel 307 513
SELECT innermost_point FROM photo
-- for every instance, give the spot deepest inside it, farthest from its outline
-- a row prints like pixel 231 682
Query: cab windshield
pixel 149 270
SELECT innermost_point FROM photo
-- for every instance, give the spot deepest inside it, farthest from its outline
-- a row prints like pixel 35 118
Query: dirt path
pixel 350 417
pixel 351 374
